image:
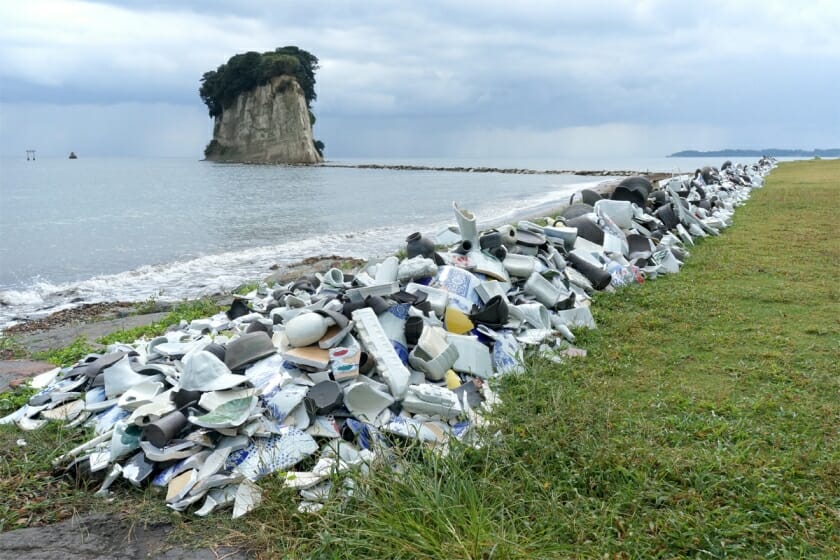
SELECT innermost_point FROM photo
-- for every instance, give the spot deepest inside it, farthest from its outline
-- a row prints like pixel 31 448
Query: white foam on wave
pixel 20 297
pixel 220 273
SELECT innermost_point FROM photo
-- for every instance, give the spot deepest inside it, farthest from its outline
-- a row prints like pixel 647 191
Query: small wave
pixel 20 297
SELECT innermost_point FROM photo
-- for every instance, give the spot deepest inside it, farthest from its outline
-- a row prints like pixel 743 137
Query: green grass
pixel 11 348
pixel 185 311
pixel 32 493
pixel 703 423
pixel 67 355
pixel 15 398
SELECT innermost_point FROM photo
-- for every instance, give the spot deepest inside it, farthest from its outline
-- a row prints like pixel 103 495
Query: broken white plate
pixel 203 371
pixel 473 356
pixel 365 401
pixel 298 418
pixel 248 497
pixel 137 469
pixel 180 450
pixel 151 412
pixel 413 429
pixel 125 439
pixel 266 455
pixel 65 412
pixel 214 399
pixel 217 497
pixel 280 402
pixel 43 379
pixel 141 393
pixel 324 426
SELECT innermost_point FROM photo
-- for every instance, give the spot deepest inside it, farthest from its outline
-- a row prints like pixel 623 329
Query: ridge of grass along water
pixel 703 423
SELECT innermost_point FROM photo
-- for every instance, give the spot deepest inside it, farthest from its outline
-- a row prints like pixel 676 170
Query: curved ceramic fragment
pixel 124 440
pixel 141 394
pixel 151 412
pixel 228 415
pixel 433 354
pixel 180 486
pixel 217 497
pixel 203 371
pixel 180 450
pixel 414 429
pixel 306 329
pixel 473 356
pixel 214 399
pixel 466 226
pixel 120 377
pixel 365 401
pixel 280 402
pixel 137 469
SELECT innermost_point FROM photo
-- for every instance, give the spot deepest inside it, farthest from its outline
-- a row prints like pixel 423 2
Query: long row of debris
pixel 331 370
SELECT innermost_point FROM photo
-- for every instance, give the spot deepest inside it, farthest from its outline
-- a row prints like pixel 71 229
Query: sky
pixel 432 78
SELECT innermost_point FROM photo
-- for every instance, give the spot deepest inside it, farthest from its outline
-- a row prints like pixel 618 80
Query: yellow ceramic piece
pixel 457 321
pixel 452 380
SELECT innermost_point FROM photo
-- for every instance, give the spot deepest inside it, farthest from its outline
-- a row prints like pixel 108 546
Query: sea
pixel 133 229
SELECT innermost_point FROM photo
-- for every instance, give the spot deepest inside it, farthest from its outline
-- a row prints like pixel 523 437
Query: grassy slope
pixel 704 423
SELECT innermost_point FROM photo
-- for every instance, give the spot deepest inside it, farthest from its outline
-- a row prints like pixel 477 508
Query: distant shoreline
pixel 770 152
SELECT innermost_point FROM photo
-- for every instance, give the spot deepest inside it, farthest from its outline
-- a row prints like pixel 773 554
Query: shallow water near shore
pixel 130 229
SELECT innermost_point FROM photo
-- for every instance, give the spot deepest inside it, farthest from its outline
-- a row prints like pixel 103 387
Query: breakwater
pixel 483 169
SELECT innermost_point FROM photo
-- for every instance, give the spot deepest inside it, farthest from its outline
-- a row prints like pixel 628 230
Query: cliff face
pixel 269 124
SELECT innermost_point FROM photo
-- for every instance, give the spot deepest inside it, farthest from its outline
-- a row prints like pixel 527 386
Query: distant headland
pixel 770 152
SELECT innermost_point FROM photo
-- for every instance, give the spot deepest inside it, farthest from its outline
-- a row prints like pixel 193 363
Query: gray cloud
pixel 440 77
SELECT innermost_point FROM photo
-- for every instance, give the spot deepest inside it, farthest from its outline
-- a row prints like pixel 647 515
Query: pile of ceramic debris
pixel 332 369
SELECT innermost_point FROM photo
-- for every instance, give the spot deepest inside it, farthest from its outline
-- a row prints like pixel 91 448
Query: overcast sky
pixel 445 78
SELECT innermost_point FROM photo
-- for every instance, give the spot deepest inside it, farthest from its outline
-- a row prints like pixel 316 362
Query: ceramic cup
pixel 334 277
pixel 519 265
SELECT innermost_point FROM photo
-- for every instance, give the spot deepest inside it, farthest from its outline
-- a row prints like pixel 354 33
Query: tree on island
pixel 243 72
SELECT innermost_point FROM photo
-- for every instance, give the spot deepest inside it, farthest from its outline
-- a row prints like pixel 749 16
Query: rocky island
pixel 261 104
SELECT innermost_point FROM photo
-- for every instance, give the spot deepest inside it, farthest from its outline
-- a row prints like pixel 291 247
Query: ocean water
pixel 113 229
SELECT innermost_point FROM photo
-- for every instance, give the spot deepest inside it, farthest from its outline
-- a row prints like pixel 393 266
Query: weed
pixel 246 288
pixel 185 311
pixel 11 348
pixel 68 355
pixel 15 398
